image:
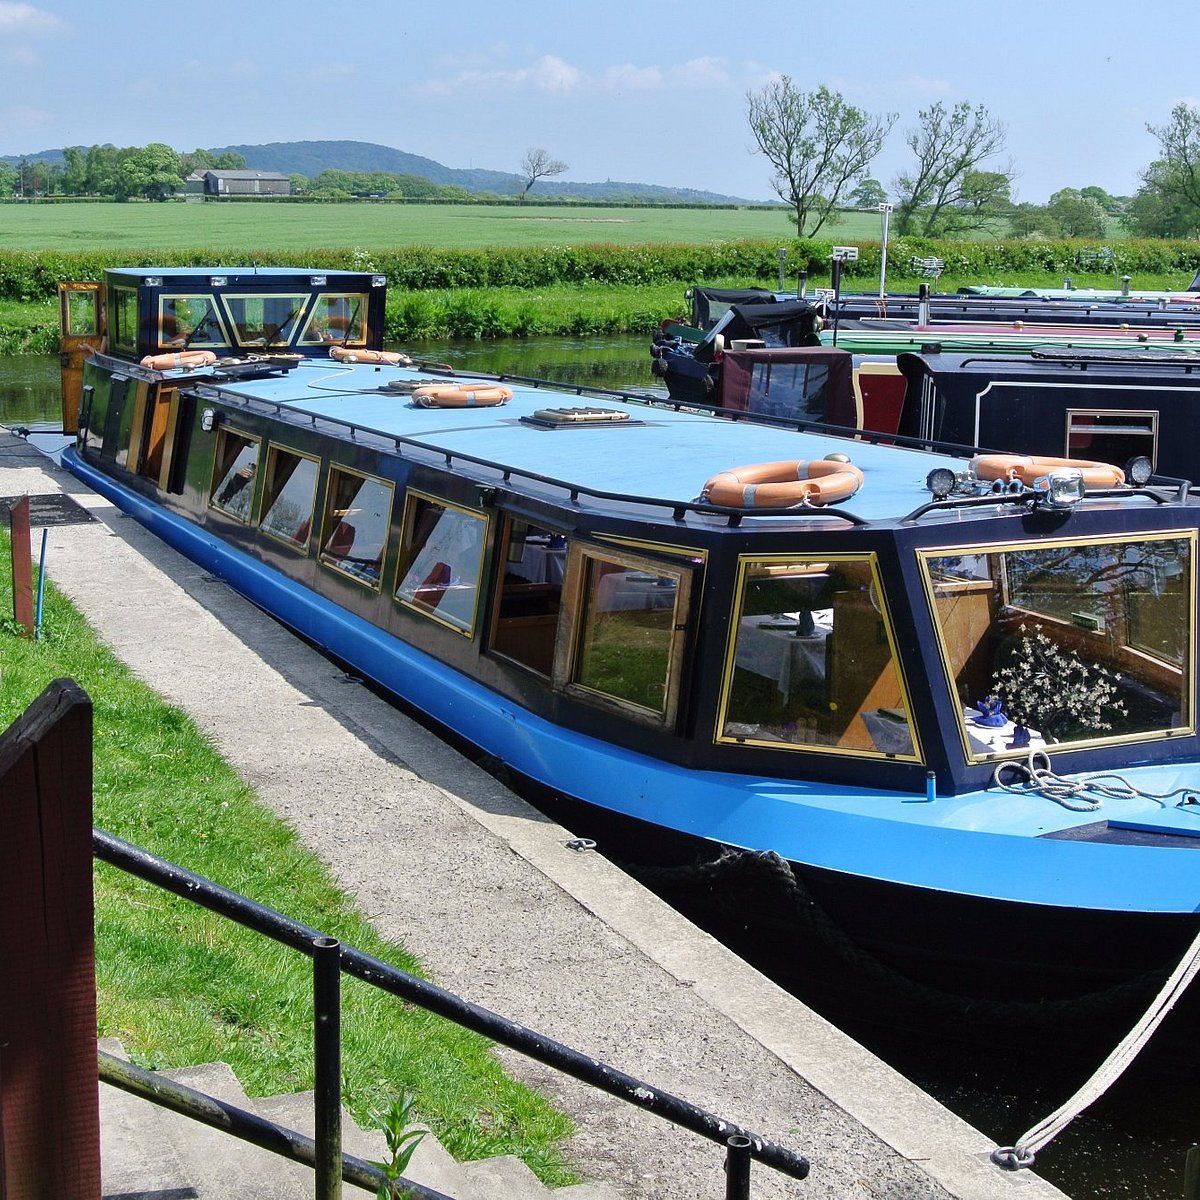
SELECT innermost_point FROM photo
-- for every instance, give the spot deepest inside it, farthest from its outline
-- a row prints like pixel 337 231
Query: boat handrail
pixel 679 508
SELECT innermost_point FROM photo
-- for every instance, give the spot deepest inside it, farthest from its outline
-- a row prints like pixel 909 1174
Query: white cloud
pixel 24 117
pixel 548 74
pixel 23 20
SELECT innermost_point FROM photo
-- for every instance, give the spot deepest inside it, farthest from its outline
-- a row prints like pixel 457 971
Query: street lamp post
pixel 886 210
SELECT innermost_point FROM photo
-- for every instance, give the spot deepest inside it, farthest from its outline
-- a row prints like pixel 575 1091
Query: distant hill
pixel 311 158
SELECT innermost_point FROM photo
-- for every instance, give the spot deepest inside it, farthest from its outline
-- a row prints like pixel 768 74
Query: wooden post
pixel 49 1098
pixel 22 565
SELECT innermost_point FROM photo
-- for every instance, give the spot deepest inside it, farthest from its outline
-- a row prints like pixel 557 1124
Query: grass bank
pixel 181 986
pixel 567 310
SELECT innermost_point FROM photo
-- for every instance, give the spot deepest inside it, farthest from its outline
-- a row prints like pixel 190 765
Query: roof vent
pixel 568 418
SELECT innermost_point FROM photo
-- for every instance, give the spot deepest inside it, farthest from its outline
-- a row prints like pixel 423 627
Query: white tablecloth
pixel 770 645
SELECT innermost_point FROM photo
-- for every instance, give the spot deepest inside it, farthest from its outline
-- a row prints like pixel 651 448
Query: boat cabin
pixel 565 559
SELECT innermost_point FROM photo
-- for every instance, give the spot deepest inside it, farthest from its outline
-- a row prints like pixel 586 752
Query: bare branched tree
pixel 537 164
pixel 940 194
pixel 819 146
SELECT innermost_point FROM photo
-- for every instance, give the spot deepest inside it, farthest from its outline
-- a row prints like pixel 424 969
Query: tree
pixel 153 172
pixel 537 164
pixel 870 193
pixel 950 146
pixel 1168 202
pixel 8 180
pixel 1077 215
pixel 1032 221
pixel 818 146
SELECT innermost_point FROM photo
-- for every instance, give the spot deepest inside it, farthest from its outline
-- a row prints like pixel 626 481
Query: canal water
pixel 1131 1143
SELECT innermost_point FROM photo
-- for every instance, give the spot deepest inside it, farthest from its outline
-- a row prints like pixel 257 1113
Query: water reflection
pixel 29 384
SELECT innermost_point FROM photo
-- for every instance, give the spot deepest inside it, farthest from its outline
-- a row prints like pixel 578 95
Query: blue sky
pixel 644 92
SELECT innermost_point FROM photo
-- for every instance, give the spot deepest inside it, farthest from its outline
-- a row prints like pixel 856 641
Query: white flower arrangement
pixel 1052 690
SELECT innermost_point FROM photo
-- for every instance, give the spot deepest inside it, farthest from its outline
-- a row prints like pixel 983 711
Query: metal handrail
pixel 330 956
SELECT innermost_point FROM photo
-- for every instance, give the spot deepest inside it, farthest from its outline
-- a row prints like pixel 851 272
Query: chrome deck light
pixel 1059 489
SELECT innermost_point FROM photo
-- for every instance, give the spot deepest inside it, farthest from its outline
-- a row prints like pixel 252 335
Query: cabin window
pixel 289 495
pixel 627 630
pixel 441 561
pixel 236 466
pixel 190 322
pixel 265 320
pixel 357 520
pixel 80 310
pixel 529 594
pixel 123 319
pixel 1113 436
pixel 1060 644
pixel 812 661
pixel 337 319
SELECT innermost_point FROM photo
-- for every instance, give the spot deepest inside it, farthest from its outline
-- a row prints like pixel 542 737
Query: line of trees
pixel 820 149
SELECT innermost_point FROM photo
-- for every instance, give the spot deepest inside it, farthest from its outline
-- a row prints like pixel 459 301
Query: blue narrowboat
pixel 894 671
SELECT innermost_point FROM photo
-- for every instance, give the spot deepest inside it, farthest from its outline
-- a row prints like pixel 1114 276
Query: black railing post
pixel 327 1066
pixel 737 1167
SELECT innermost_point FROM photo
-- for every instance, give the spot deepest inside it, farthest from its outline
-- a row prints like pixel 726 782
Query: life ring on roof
pixel 388 358
pixel 1028 467
pixel 459 395
pixel 183 359
pixel 784 484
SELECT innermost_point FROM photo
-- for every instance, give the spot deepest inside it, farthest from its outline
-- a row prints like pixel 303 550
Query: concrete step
pixel 149 1153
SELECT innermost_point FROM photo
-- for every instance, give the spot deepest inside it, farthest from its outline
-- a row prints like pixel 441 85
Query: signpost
pixel 886 210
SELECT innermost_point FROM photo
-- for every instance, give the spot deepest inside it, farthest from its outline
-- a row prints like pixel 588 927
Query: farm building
pixel 246 183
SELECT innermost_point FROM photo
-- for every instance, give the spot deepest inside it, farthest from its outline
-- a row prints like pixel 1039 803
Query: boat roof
pixel 191 277
pixel 660 452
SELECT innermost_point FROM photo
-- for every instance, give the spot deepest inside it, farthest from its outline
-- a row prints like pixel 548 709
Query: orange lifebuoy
pixel 1028 467
pixel 460 395
pixel 784 484
pixel 184 359
pixel 389 358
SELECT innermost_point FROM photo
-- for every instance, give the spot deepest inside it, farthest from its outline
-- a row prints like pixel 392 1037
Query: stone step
pixel 149 1153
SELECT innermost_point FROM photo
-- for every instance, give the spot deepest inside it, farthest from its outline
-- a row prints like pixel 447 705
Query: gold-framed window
pixel 811 662
pixel 1066 641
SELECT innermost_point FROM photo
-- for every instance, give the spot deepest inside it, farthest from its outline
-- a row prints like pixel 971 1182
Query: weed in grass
pixel 402 1141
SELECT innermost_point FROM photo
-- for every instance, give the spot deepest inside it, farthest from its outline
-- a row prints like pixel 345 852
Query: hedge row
pixel 28 275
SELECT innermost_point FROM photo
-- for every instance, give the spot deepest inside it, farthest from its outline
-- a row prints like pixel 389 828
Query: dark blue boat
pixel 710 629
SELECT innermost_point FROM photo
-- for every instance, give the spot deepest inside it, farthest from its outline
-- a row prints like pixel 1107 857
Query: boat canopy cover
pixel 710 304
pixel 779 323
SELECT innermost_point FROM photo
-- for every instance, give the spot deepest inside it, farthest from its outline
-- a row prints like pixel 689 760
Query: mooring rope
pixel 1023 1153
pixel 1073 793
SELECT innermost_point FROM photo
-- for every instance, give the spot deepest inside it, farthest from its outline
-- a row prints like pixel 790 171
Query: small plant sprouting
pixel 402 1142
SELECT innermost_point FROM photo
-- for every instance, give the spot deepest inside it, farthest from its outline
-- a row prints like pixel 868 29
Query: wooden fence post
pixel 22 565
pixel 49 1100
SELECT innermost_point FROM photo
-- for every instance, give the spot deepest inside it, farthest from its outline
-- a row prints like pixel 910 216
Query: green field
pixel 181 226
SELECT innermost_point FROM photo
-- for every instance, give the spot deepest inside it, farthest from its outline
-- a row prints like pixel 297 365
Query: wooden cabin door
pixel 82 328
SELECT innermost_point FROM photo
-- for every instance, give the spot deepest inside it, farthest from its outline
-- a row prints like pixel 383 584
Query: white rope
pixel 1072 793
pixel 1109 1071
pixel 1038 777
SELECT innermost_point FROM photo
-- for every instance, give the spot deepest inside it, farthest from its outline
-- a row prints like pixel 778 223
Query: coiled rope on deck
pixel 1084 793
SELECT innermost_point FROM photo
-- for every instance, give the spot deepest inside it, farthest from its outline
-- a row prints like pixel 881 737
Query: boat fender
pixel 1028 468
pixel 388 358
pixel 185 360
pixel 441 395
pixel 783 484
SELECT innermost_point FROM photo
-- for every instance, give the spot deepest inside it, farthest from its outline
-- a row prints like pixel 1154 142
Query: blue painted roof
pixel 668 456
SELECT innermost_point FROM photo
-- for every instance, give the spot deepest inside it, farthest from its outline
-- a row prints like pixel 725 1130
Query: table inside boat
pixel 621 591
pixel 543 560
pixel 786 647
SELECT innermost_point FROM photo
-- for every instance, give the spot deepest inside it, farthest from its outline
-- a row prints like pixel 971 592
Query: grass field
pixel 267 226
pixel 182 226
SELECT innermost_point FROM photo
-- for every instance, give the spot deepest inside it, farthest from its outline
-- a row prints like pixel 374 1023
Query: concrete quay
pixel 483 889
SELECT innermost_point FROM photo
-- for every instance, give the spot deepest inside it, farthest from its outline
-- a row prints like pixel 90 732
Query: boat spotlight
pixel 1061 489
pixel 1138 470
pixel 940 481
